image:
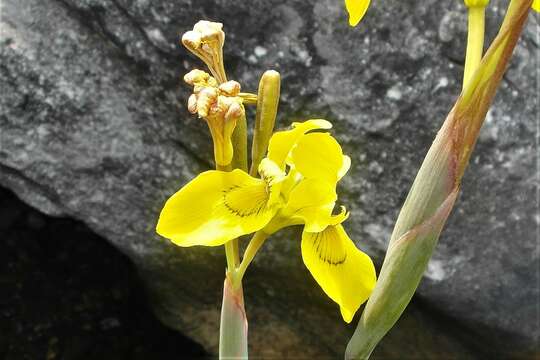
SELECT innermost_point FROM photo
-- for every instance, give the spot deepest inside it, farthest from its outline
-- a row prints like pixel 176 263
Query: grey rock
pixel 93 126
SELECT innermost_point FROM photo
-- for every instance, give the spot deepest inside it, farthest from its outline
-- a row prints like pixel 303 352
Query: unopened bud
pixel 196 76
pixel 192 104
pixel 191 40
pixel 234 112
pixel 210 31
pixel 205 99
pixel 230 88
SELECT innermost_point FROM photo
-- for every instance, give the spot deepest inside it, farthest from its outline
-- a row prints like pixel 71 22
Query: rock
pixel 70 300
pixel 93 126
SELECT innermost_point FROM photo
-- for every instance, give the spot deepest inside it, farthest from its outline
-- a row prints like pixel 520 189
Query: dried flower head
pixel 220 106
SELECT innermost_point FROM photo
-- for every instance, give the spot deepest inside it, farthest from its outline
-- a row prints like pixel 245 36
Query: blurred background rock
pixel 93 127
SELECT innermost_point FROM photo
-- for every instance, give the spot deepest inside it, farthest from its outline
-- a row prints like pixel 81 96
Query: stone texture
pixel 93 126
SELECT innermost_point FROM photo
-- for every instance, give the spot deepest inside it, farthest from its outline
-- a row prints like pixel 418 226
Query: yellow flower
pixel 536 5
pixel 357 9
pixel 218 206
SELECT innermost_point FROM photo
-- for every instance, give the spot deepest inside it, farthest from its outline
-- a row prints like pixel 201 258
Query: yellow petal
pixel 311 202
pixel 274 177
pixel 357 9
pixel 282 142
pixel 346 274
pixel 318 156
pixel 216 207
pixel 536 5
pixel 344 167
pixel 476 3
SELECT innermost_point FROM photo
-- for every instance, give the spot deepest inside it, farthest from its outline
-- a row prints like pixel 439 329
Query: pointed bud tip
pixel 271 73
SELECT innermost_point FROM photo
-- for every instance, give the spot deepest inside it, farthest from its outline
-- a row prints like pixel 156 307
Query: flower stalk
pixel 475 39
pixel 434 191
pixel 220 103
pixel 254 245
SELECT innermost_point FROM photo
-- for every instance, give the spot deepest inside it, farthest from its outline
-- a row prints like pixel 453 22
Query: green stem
pixel 229 254
pixel 239 161
pixel 231 249
pixel 236 252
pixel 254 245
pixel 475 42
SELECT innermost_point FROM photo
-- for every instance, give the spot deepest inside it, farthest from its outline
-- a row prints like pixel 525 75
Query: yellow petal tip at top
pixel 536 5
pixel 282 142
pixel 356 9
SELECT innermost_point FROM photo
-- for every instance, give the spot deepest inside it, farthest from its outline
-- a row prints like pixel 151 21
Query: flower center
pixel 244 201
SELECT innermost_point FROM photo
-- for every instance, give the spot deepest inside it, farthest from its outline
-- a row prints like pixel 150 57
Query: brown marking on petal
pixel 257 204
pixel 322 244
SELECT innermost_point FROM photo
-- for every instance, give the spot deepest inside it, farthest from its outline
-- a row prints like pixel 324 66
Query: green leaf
pixel 434 191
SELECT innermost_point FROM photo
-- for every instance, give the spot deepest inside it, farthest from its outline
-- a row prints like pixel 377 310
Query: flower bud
pixel 205 99
pixel 191 40
pixel 210 31
pixel 230 88
pixel 196 76
pixel 192 104
pixel 234 112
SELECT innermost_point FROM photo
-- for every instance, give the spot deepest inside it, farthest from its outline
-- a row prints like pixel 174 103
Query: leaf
pixel 434 191
pixel 233 330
